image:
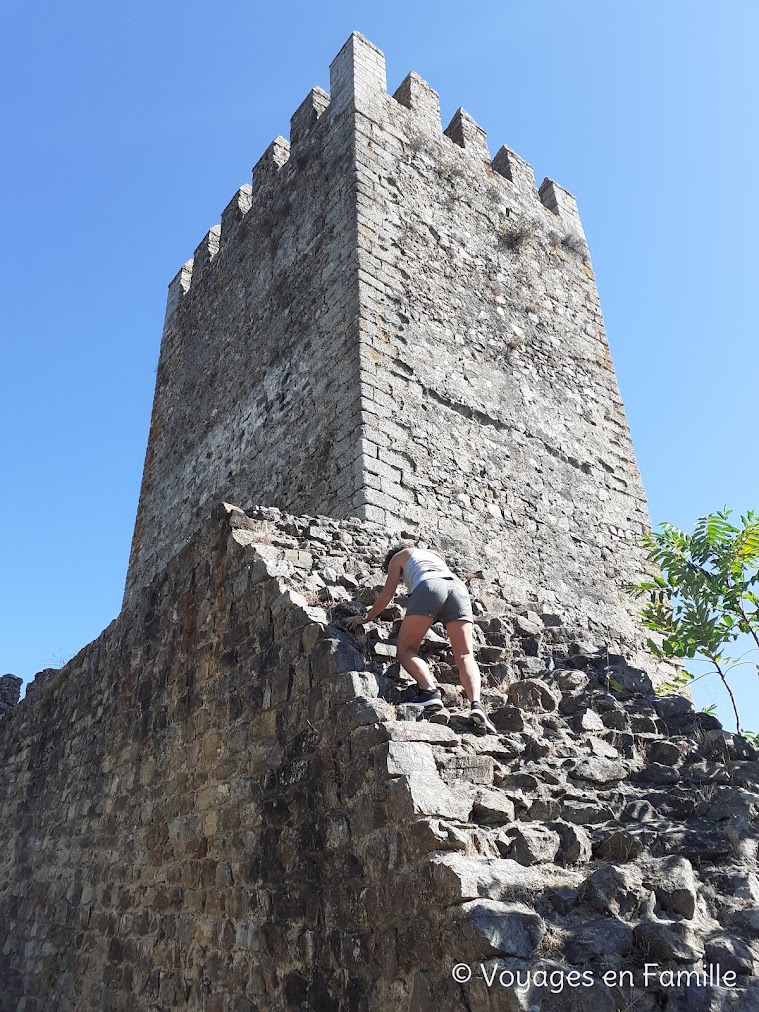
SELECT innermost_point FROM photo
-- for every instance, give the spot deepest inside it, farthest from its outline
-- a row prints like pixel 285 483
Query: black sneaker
pixel 478 716
pixel 427 700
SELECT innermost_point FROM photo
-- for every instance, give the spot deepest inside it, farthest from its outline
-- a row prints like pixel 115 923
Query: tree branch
pixel 730 694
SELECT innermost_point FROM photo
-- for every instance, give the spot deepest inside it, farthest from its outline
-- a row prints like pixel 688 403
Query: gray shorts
pixel 445 599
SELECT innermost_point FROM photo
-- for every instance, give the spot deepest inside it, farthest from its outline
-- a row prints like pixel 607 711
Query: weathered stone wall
pixel 221 804
pixel 257 395
pixel 163 802
pixel 393 326
pixel 490 404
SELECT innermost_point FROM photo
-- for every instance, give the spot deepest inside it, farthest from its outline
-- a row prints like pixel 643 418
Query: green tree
pixel 704 594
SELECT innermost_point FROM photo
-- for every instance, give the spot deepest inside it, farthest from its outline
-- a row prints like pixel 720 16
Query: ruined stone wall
pixel 222 804
pixel 163 803
pixel 393 326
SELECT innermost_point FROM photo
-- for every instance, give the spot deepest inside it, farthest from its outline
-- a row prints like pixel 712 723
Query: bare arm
pixel 386 594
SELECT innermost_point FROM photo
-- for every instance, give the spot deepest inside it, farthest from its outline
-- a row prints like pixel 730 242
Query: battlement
pixel 358 86
pixel 10 690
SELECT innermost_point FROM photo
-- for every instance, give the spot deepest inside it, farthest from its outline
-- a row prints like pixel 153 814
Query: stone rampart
pixel 222 804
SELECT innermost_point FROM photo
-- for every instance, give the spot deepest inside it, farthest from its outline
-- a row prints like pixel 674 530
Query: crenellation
pixel 468 134
pixel 357 76
pixel 10 690
pixel 178 287
pixel 267 167
pixel 415 94
pixel 508 164
pixel 307 115
pixel 205 253
pixel 562 203
pixel 235 211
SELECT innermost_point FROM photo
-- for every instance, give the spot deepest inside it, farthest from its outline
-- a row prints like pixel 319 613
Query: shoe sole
pixel 433 706
pixel 480 720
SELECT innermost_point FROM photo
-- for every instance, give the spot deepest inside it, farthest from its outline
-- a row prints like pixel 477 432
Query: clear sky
pixel 128 127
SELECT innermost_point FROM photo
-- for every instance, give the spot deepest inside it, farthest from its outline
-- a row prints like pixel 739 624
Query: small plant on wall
pixel 515 236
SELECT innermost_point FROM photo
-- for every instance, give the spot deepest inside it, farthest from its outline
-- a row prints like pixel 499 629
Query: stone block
pixel 587 720
pixel 613 891
pixel 455 878
pixel 403 730
pixel 666 753
pixel 543 810
pixel 501 746
pixel 734 803
pixel 492 808
pixel 599 771
pixel 415 794
pixel 605 936
pixel 533 694
pixel 529 844
pixel 401 758
pixel 674 882
pixel 430 834
pixel 619 846
pixel 729 954
pixel 669 941
pixel 658 773
pixel 361 711
pixel 334 657
pixel 345 686
pixel 507 718
pixel 486 928
pixel 575 845
pixel 570 679
pixel 474 769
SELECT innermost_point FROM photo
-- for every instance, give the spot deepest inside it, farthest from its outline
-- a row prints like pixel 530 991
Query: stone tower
pixel 391 325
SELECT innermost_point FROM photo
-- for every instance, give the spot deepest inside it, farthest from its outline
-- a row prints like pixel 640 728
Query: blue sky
pixel 127 128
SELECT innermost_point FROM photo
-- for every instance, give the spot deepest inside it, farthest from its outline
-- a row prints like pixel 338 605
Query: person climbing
pixel 435 595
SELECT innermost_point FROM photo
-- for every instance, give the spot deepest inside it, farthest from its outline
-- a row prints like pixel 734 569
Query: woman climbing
pixel 435 595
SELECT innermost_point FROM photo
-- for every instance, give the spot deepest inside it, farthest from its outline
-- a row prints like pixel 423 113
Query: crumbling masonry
pixel 222 804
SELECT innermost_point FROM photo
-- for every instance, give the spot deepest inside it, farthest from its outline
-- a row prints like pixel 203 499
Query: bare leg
pixel 460 635
pixel 413 630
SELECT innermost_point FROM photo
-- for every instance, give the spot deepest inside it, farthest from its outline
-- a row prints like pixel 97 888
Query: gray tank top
pixel 423 565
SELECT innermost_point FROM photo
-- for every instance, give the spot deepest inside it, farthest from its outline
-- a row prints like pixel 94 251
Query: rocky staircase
pixel 602 829
pixel 223 804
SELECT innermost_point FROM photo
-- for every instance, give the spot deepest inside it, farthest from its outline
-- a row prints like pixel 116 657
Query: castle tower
pixel 393 325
